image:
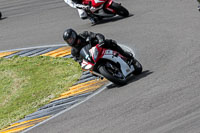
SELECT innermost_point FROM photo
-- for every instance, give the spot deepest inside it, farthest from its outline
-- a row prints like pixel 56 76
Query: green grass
pixel 27 83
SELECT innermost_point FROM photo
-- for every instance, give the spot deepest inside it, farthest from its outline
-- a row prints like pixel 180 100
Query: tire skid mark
pixel 81 90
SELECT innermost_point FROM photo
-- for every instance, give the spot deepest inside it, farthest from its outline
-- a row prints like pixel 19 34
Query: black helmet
pixel 70 36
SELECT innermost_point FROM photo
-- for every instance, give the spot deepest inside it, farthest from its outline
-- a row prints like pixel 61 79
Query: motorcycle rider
pixel 78 41
pixel 82 10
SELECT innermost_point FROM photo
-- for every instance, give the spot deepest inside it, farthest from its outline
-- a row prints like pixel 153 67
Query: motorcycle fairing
pixel 99 11
pixel 86 65
pixel 97 3
pixel 125 68
pixel 108 5
pixel 102 13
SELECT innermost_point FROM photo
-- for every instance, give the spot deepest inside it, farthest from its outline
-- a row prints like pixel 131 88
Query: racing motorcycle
pixel 105 8
pixel 109 64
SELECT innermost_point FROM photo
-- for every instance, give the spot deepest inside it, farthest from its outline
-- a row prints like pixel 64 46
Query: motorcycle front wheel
pixel 120 10
pixel 111 72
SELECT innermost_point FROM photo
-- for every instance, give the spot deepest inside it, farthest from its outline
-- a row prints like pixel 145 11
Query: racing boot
pixel 93 20
pixel 126 54
pixel 129 57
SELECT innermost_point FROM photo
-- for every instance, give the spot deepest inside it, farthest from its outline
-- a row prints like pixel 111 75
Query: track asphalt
pixel 165 37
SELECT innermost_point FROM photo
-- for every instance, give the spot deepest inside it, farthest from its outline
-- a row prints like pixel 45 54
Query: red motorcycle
pixel 105 8
pixel 109 64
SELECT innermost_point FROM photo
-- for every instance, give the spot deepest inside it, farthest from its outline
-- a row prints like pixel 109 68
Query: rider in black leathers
pixel 78 41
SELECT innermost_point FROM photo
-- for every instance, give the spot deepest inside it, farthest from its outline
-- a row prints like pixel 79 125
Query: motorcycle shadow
pixel 3 18
pixel 132 79
pixel 112 19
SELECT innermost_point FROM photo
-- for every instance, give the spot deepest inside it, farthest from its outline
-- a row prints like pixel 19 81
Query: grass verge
pixel 27 83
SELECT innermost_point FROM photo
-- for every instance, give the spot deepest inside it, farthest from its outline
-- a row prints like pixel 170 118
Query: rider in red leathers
pixel 81 10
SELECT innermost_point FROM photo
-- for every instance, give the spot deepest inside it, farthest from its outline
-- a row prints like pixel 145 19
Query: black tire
pixel 108 75
pixel 138 67
pixel 120 10
pixel 0 15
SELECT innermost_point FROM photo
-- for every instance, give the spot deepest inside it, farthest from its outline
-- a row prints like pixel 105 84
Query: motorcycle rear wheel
pixel 110 76
pixel 120 10
pixel 138 67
